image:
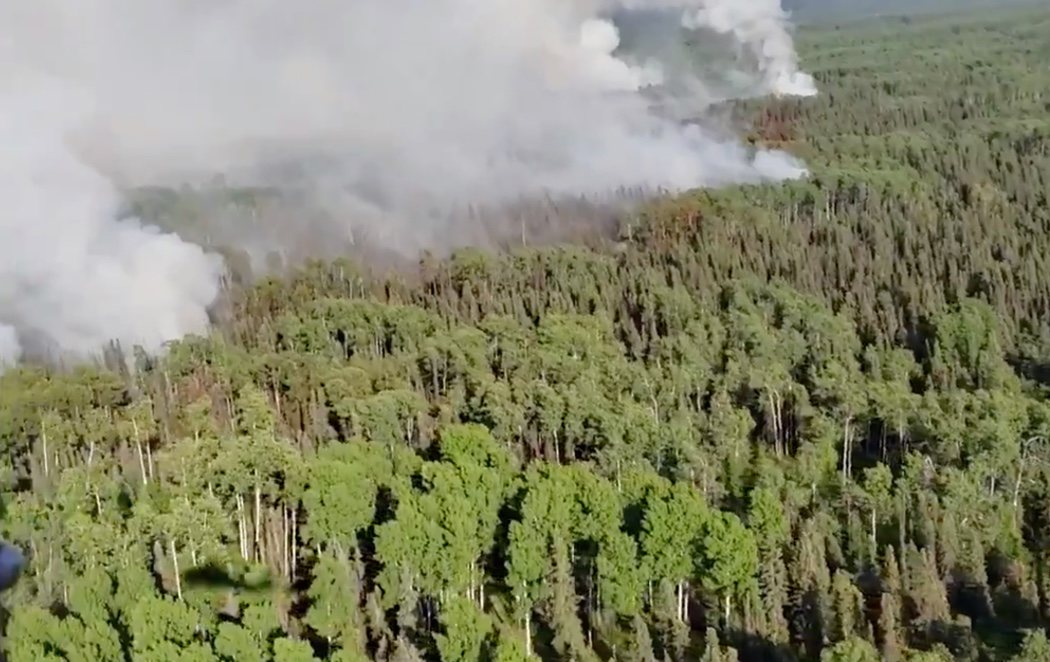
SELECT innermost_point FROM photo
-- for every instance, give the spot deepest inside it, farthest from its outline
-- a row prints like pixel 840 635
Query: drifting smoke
pixel 758 26
pixel 394 111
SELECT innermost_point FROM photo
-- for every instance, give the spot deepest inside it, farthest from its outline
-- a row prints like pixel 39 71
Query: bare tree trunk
pixel 138 449
pixel 685 606
pixel 175 566
pixel 142 462
pixel 295 552
pixel 470 588
pixel 43 441
pixel 776 407
pixel 847 449
pixel 50 566
pixel 258 519
pixel 242 528
pixel 679 608
pixel 284 542
pixel 528 633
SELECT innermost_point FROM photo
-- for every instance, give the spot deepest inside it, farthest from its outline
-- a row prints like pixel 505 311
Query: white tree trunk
pixel 258 521
pixel 175 566
pixel 528 633
pixel 43 440
pixel 294 551
pixel 242 528
pixel 138 450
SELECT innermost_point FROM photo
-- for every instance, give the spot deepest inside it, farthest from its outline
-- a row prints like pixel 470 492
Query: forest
pixel 806 421
pixel 822 11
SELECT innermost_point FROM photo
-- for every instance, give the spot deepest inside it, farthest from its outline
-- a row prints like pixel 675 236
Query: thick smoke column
pixel 10 350
pixel 395 111
pixel 759 26
pixel 72 279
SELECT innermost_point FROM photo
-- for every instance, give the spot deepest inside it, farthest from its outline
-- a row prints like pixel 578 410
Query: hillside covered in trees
pixel 797 422
pixel 817 11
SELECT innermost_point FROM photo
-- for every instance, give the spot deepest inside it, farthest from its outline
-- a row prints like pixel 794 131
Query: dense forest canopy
pixel 794 422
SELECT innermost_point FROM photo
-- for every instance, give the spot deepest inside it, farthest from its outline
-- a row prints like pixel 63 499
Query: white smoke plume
pixel 395 109
pixel 759 26
pixel 10 350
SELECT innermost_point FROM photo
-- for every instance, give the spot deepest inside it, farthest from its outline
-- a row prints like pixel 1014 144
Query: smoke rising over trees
pixel 788 421
pixel 392 114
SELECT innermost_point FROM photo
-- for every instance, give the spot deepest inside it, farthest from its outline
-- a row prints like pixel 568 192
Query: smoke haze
pixel 392 111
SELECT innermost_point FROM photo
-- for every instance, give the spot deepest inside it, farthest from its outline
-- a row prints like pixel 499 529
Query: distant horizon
pixel 810 12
